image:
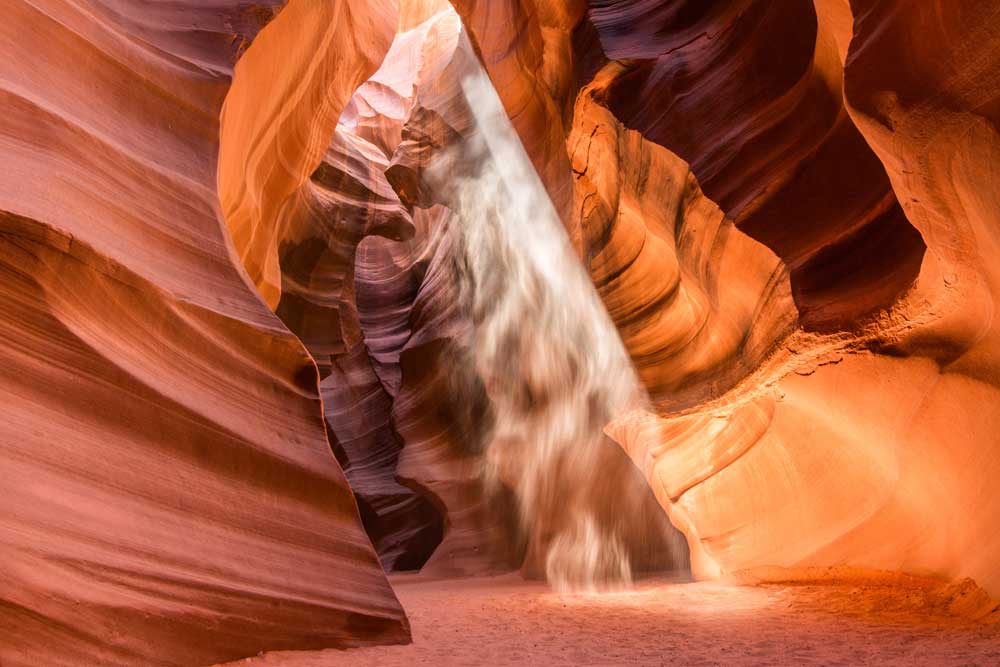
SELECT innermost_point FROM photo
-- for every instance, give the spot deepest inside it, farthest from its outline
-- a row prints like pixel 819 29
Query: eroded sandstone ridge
pixel 234 272
pixel 169 495
pixel 871 445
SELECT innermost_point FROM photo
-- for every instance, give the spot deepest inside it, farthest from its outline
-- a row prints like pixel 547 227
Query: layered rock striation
pixel 841 447
pixel 226 270
pixel 170 496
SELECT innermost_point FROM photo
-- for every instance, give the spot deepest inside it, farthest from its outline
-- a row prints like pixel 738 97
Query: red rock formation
pixel 315 235
pixel 749 94
pixel 443 137
pixel 347 199
pixel 441 410
pixel 933 123
pixel 537 53
pixel 417 337
pixel 788 208
pixel 279 116
pixel 697 303
pixel 777 152
pixel 865 449
pixel 816 454
pixel 169 492
pixel 443 414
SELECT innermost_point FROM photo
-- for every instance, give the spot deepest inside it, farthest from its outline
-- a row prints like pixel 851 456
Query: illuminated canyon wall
pixel 169 492
pixel 241 378
pixel 867 436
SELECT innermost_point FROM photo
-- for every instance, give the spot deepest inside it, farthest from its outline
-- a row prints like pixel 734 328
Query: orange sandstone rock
pixel 170 495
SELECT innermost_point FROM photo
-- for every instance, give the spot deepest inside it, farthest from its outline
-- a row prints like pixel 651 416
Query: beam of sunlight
pixel 550 357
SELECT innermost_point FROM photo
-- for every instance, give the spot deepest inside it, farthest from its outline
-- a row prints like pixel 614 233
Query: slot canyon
pixel 499 332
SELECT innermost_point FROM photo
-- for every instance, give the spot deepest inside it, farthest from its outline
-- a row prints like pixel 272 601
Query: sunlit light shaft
pixel 551 360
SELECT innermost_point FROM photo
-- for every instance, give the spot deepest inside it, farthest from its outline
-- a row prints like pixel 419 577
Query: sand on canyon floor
pixel 881 621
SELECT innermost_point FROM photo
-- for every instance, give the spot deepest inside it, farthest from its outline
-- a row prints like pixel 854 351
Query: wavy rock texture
pixel 832 436
pixel 346 200
pixel 442 135
pixel 788 207
pixel 384 390
pixel 440 409
pixel 423 410
pixel 749 94
pixel 438 413
pixel 280 114
pixel 860 448
pixel 697 303
pixel 376 403
pixel 934 126
pixel 443 413
pixel 169 492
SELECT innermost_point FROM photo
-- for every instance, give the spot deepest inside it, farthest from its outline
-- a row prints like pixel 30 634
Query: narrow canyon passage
pixel 703 300
pixel 499 332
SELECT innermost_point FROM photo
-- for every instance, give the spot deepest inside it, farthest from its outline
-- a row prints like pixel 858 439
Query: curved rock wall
pixel 443 413
pixel 788 207
pixel 314 237
pixel 346 200
pixel 837 432
pixel 280 114
pixel 697 303
pixel 169 492
pixel 933 122
pixel 444 160
pixel 748 405
pixel 749 93
pixel 860 447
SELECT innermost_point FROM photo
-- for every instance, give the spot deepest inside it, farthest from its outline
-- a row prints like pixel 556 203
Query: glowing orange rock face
pixel 697 303
pixel 279 116
pixel 789 210
pixel 169 492
pixel 837 442
pixel 872 445
pixel 749 93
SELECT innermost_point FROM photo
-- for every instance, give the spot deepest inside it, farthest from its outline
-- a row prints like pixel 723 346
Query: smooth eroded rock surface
pixel 231 243
pixel 170 496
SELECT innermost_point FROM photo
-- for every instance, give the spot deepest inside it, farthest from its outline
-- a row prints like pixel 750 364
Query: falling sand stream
pixel 549 356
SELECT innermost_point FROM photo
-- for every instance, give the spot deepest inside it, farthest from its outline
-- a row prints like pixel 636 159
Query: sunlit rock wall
pixel 853 424
pixel 170 496
pixel 378 396
pixel 787 207
pixel 865 438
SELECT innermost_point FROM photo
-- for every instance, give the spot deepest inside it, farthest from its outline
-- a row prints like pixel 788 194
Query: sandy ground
pixel 507 621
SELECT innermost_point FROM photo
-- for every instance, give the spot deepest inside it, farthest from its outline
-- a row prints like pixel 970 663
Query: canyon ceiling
pixel 240 380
